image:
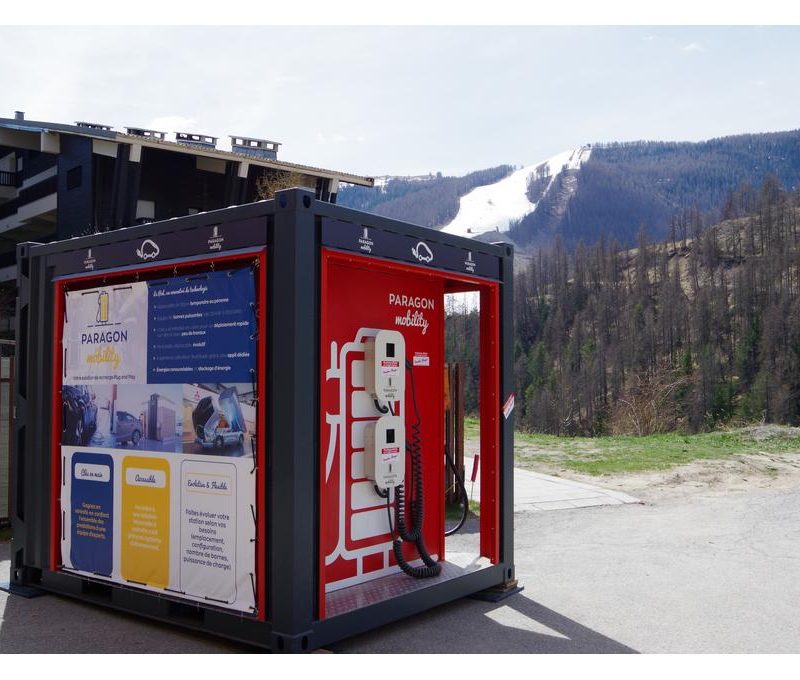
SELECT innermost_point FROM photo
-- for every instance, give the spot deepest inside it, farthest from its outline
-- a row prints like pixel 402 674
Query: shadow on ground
pixel 56 624
pixel 516 625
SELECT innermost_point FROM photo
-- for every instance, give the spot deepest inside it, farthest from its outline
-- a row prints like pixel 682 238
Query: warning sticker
pixel 508 407
pixel 390 453
pixel 422 359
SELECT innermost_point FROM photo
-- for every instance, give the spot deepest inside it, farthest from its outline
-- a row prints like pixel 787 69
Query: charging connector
pixel 385 451
pixel 384 366
pixel 385 446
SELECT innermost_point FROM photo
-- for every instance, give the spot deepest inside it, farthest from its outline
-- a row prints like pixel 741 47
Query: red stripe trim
pixel 55 438
pixel 261 457
pixel 490 425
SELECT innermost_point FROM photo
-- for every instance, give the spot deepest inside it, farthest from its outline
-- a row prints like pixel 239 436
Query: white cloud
pixel 339 138
pixel 693 47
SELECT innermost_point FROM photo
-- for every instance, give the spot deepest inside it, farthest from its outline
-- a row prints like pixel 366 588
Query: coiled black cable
pixel 414 450
pixel 414 443
pixel 464 495
pixel 431 568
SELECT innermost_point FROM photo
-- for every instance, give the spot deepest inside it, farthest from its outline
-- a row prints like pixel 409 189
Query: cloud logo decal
pixel 422 252
pixel 149 250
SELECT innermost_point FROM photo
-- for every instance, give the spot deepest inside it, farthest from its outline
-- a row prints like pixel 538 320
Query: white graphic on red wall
pixel 362 521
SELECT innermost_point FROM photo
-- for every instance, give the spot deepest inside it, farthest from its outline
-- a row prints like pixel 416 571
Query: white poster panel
pixel 207 542
pixel 105 335
pixel 208 530
pixel 158 490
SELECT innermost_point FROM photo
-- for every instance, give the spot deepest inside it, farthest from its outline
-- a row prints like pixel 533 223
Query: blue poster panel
pixel 202 328
pixel 92 511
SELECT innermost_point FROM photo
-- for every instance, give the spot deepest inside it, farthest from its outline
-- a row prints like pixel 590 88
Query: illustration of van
pixel 215 428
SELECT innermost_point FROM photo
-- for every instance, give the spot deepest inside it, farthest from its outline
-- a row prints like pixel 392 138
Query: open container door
pixel 362 297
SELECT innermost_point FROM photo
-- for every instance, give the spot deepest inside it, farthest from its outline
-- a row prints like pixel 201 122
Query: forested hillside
pixel 623 186
pixel 616 190
pixel 698 330
pixel 431 201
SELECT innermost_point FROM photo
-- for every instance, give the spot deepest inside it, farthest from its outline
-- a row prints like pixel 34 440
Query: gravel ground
pixel 699 572
pixel 708 572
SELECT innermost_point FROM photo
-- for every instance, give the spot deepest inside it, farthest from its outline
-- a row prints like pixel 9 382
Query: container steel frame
pixel 290 228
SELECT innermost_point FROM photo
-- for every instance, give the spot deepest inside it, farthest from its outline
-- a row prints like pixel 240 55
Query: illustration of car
pixel 148 250
pixel 78 415
pixel 218 429
pixel 128 429
pixel 422 252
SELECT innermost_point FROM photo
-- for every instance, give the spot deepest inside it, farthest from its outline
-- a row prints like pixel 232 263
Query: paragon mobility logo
pixel 365 243
pixel 415 319
pixel 102 307
pixel 216 241
pixel 422 252
pixel 89 260
pixel 469 263
pixel 106 336
pixel 149 250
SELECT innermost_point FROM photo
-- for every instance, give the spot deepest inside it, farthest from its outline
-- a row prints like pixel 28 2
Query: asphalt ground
pixel 709 572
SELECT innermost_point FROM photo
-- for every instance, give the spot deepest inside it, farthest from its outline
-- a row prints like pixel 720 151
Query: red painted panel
pixel 359 296
pixel 55 438
pixel 261 451
pixel 490 423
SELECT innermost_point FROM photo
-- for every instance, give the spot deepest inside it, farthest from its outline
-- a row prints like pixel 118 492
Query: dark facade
pixel 59 181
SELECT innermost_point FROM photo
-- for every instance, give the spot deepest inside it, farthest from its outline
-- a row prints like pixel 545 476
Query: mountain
pixel 656 184
pixel 430 200
pixel 577 195
pixel 498 206
pixel 689 334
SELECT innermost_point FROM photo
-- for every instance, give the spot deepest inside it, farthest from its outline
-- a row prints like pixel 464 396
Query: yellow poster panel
pixel 145 521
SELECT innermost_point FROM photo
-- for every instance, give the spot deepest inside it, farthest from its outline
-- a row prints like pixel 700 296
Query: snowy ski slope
pixel 495 206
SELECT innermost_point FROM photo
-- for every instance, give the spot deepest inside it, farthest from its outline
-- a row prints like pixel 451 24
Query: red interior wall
pixel 356 294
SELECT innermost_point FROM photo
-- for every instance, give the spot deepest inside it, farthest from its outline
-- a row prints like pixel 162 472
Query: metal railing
pixel 8 178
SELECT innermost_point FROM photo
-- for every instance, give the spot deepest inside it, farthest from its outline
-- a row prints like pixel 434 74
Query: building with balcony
pixel 58 181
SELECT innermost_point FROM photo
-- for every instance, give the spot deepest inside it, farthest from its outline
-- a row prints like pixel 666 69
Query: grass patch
pixel 453 512
pixel 472 428
pixel 620 454
pixel 5 534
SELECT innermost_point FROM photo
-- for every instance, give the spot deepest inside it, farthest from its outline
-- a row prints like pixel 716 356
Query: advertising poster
pixel 145 521
pixel 104 335
pixel 159 431
pixel 208 530
pixel 92 512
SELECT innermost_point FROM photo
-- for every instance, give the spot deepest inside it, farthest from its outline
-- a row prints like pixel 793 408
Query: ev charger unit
pixel 234 421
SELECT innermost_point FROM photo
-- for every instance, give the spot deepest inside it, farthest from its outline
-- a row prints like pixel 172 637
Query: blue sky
pixel 397 100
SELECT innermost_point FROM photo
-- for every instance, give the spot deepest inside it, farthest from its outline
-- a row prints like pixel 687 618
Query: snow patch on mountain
pixel 495 206
pixel 383 180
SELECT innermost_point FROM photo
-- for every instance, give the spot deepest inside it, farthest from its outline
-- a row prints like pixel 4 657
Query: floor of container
pixel 388 587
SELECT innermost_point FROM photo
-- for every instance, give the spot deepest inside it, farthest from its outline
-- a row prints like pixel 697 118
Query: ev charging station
pixel 234 421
